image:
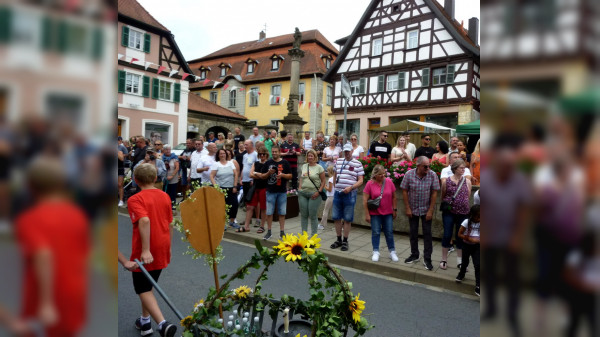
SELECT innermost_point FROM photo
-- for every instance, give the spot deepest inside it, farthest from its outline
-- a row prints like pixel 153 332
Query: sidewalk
pixel 360 250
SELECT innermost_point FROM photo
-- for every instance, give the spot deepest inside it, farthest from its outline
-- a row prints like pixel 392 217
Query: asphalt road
pixel 396 308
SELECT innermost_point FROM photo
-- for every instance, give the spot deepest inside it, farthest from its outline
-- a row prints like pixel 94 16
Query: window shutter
pixel 425 77
pixel 177 95
pixel 121 87
pixel 381 83
pixel 146 43
pixel 450 74
pixel 47 33
pixel 146 86
pixel 98 43
pixel 401 80
pixel 5 24
pixel 63 37
pixel 362 85
pixel 125 36
pixel 155 88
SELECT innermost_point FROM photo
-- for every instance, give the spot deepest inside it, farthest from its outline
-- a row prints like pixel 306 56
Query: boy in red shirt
pixel 151 215
pixel 54 237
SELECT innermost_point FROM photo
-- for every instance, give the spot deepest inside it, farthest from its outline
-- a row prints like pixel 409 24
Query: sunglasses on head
pixel 262 153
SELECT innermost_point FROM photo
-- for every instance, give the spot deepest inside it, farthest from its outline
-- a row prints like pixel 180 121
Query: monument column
pixel 293 123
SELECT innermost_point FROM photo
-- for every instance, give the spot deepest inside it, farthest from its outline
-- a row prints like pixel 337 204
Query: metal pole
pixel 159 290
pixel 345 117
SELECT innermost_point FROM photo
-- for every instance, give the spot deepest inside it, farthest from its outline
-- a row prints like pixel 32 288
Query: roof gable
pixel 199 104
pixel 452 26
pixel 134 10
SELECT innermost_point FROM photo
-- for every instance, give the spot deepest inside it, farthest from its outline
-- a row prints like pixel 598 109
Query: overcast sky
pixel 202 27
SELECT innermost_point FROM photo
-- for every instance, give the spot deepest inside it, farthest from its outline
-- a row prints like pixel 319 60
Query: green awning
pixel 587 102
pixel 472 128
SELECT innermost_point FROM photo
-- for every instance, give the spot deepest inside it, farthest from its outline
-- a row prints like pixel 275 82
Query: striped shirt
pixel 347 173
pixel 419 190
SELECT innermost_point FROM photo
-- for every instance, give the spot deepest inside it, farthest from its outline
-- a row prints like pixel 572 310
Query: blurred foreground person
pixel 54 236
pixel 507 200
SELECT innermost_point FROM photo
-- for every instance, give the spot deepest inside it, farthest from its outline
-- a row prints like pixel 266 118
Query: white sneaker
pixel 121 203
pixel 375 257
pixel 321 227
pixel 393 256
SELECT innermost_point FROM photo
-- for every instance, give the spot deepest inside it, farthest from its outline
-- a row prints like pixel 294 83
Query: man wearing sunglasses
pixel 425 149
pixel 381 148
pixel 419 191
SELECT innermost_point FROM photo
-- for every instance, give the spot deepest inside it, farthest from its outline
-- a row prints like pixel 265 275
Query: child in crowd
pixel 329 201
pixel 151 216
pixel 469 233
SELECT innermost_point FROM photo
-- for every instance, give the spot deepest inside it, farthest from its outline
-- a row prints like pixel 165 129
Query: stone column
pixel 293 122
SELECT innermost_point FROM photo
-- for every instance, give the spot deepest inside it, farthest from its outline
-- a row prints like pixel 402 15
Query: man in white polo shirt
pixel 447 172
pixel 348 177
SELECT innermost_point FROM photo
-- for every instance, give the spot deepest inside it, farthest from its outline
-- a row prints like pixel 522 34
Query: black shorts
pixel 141 283
pixel 121 171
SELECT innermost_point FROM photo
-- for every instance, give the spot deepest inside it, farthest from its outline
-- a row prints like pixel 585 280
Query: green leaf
pixel 223 276
pixel 188 334
pixel 217 302
pixel 258 245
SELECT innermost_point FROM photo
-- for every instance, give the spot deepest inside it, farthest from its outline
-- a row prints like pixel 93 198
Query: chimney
pixel 449 8
pixel 262 35
pixel 474 30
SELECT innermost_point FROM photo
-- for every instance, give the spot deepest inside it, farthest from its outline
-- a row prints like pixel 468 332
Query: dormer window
pixel 327 60
pixel 327 63
pixel 251 64
pixel 202 74
pixel 276 62
pixel 223 72
pixel 224 68
pixel 250 68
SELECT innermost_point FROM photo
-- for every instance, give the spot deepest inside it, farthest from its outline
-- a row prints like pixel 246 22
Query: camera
pixel 152 157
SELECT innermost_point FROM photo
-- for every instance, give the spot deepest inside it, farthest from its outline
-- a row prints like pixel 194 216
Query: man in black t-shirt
pixel 381 148
pixel 238 137
pixel 290 152
pixel 185 163
pixel 425 149
pixel 277 172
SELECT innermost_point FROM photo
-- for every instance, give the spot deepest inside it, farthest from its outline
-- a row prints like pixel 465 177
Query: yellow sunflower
pixel 242 292
pixel 298 335
pixel 198 305
pixel 187 321
pixel 284 243
pixel 356 307
pixel 293 246
pixel 314 241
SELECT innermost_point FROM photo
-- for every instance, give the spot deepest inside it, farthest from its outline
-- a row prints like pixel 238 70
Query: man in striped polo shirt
pixel 348 177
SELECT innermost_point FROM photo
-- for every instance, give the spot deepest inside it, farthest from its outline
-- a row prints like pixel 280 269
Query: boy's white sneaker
pixel 375 256
pixel 393 256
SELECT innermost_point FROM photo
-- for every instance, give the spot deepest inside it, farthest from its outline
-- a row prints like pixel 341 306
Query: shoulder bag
pixel 447 206
pixel 373 204
pixel 322 193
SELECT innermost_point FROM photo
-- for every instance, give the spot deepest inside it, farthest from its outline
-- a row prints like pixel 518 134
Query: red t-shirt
pixel 156 205
pixel 374 190
pixel 63 229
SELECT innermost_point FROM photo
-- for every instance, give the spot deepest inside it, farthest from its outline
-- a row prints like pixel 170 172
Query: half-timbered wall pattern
pixel 167 56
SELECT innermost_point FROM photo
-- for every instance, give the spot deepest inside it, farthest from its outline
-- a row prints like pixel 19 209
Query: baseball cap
pixel 348 147
pixel 150 149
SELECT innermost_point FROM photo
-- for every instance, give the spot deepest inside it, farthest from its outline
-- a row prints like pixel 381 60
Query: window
pixel 232 98
pixel 65 106
pixel 202 74
pixel 376 47
pixel 392 82
pixel 352 126
pixel 381 83
pixel 425 77
pixel 157 132
pixel 164 90
pixel 253 96
pixel 223 71
pixel 329 90
pixel 301 92
pixel 250 68
pixel 358 86
pixel 450 74
pixel 135 39
pixel 275 93
pixel 132 83
pixel 439 76
pixel 327 63
pixel 213 96
pixel 413 39
pixel 275 65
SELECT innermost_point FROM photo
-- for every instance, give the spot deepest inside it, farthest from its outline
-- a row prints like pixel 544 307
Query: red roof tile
pixel 134 10
pixel 199 104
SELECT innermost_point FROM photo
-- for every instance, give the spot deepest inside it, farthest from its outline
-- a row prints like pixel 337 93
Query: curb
pixel 395 270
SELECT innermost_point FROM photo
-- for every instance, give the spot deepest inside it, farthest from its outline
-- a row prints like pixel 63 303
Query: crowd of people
pixel 258 172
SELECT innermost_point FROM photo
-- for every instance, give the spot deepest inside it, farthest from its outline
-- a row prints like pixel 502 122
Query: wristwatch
pixel 395 209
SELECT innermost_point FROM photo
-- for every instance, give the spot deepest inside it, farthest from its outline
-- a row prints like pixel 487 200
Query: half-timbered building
pixel 152 90
pixel 407 59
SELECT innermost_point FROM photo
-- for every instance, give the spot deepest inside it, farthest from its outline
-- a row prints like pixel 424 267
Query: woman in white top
pixel 225 174
pixel 331 153
pixel 358 152
pixel 307 142
pixel 399 153
pixel 330 191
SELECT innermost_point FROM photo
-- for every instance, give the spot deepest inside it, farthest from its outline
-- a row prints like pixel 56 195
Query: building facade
pixel 252 79
pixel 152 86
pixel 407 59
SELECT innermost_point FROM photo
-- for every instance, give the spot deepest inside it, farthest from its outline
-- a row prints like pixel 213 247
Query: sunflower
pixel 242 292
pixel 314 241
pixel 356 307
pixel 198 305
pixel 293 246
pixel 298 335
pixel 187 321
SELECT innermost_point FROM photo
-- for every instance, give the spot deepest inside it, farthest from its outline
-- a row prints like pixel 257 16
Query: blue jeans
pixel 452 223
pixel 385 222
pixel 279 199
pixel 323 165
pixel 343 206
